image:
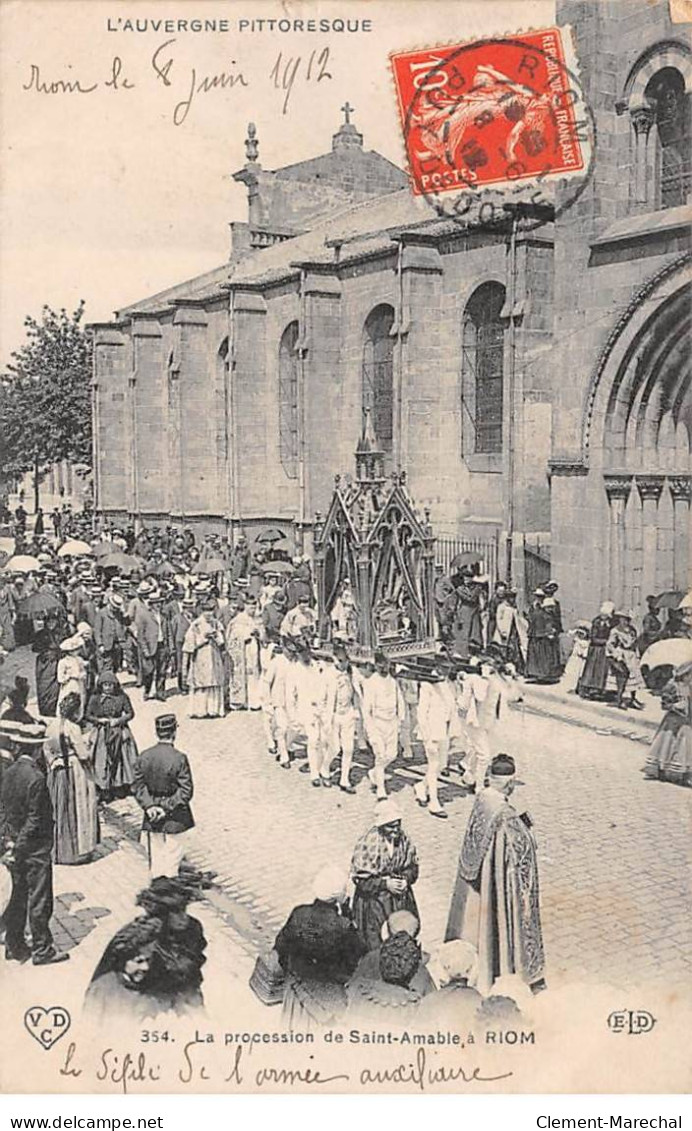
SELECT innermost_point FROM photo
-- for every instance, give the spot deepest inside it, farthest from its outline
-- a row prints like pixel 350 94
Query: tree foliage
pixel 45 396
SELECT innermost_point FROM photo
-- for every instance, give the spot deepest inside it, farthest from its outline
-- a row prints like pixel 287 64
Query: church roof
pixel 359 231
pixel 362 228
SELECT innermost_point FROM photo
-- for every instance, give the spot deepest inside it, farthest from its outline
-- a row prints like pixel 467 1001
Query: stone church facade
pixel 532 379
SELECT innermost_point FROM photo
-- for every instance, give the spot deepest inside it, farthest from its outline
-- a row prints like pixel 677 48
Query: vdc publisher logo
pixel 634 1022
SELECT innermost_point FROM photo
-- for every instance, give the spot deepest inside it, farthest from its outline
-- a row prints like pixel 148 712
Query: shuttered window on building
pixel 378 374
pixel 483 367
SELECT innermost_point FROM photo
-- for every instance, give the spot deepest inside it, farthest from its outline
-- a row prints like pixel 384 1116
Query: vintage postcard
pixel 345 588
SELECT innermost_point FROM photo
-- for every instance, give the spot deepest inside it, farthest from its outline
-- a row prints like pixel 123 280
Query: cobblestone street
pixel 614 849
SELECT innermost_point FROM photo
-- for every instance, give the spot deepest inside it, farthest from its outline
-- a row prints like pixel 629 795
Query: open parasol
pixel 277 567
pixel 126 563
pixel 670 599
pixel 210 565
pixel 271 534
pixel 22 563
pixel 75 549
pixel 38 604
pixel 164 569
pixel 102 549
pixel 280 546
pixel 673 652
pixel 465 558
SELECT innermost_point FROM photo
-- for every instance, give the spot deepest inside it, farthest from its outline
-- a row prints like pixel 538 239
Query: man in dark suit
pixel 181 615
pixel 153 645
pixel 27 823
pixel 163 788
pixel 109 633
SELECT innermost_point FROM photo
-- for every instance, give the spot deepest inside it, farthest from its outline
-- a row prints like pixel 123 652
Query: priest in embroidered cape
pixel 495 902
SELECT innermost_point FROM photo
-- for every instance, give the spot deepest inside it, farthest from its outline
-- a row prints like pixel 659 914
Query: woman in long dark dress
pixel 113 748
pixel 384 870
pixel 467 626
pixel 670 755
pixel 594 679
pixel 47 648
pixel 543 652
pixel 71 787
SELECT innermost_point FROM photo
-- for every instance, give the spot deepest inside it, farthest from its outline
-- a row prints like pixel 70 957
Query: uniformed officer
pixel 163 787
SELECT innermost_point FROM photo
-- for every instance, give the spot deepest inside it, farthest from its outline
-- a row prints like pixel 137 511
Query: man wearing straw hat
pixel 28 841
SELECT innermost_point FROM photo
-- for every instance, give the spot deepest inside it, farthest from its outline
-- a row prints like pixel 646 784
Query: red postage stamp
pixel 492 111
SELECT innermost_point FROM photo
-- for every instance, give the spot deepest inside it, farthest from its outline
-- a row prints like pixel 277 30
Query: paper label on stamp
pixel 436 251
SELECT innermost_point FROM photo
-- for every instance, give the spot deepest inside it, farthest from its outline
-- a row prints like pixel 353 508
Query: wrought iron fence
pixel 487 547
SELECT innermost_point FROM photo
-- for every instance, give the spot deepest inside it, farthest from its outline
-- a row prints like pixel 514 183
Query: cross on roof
pixel 347 110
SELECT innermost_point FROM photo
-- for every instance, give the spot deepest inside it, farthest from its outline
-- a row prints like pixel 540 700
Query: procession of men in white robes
pixel 323 707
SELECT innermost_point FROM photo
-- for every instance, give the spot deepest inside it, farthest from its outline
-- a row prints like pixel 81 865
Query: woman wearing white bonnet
pixel 454 967
pixel 72 670
pixel 329 885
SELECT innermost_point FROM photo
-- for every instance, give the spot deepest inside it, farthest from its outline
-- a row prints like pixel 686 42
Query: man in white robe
pixel 303 696
pixel 485 698
pixel 274 707
pixel 439 725
pixel 203 656
pixel 339 715
pixel 382 709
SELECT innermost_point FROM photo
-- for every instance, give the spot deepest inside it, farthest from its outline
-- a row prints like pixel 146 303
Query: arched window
pixel 288 400
pixel 378 374
pixel 671 107
pixel 483 369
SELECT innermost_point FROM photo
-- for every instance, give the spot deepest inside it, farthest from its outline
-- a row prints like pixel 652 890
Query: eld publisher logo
pixel 632 1021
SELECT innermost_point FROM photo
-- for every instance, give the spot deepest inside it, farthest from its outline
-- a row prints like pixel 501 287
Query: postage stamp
pixel 493 112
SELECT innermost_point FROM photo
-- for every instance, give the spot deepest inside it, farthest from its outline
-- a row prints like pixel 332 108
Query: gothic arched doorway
pixel 640 440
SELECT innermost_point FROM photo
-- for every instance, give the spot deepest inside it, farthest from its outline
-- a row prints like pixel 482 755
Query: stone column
pixel 364 596
pixel 681 490
pixel 112 366
pixel 198 452
pixel 642 121
pixel 419 275
pixel 650 488
pixel 147 407
pixel 322 399
pixel 254 458
pixel 131 449
pixel 617 489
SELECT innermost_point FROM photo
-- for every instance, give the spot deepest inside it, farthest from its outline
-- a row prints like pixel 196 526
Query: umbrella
pixel 673 652
pixel 75 549
pixel 102 549
pixel 210 565
pixel 277 567
pixel 466 557
pixel 22 563
pixel 126 563
pixel 686 602
pixel 39 603
pixel 280 546
pixel 271 534
pixel 670 599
